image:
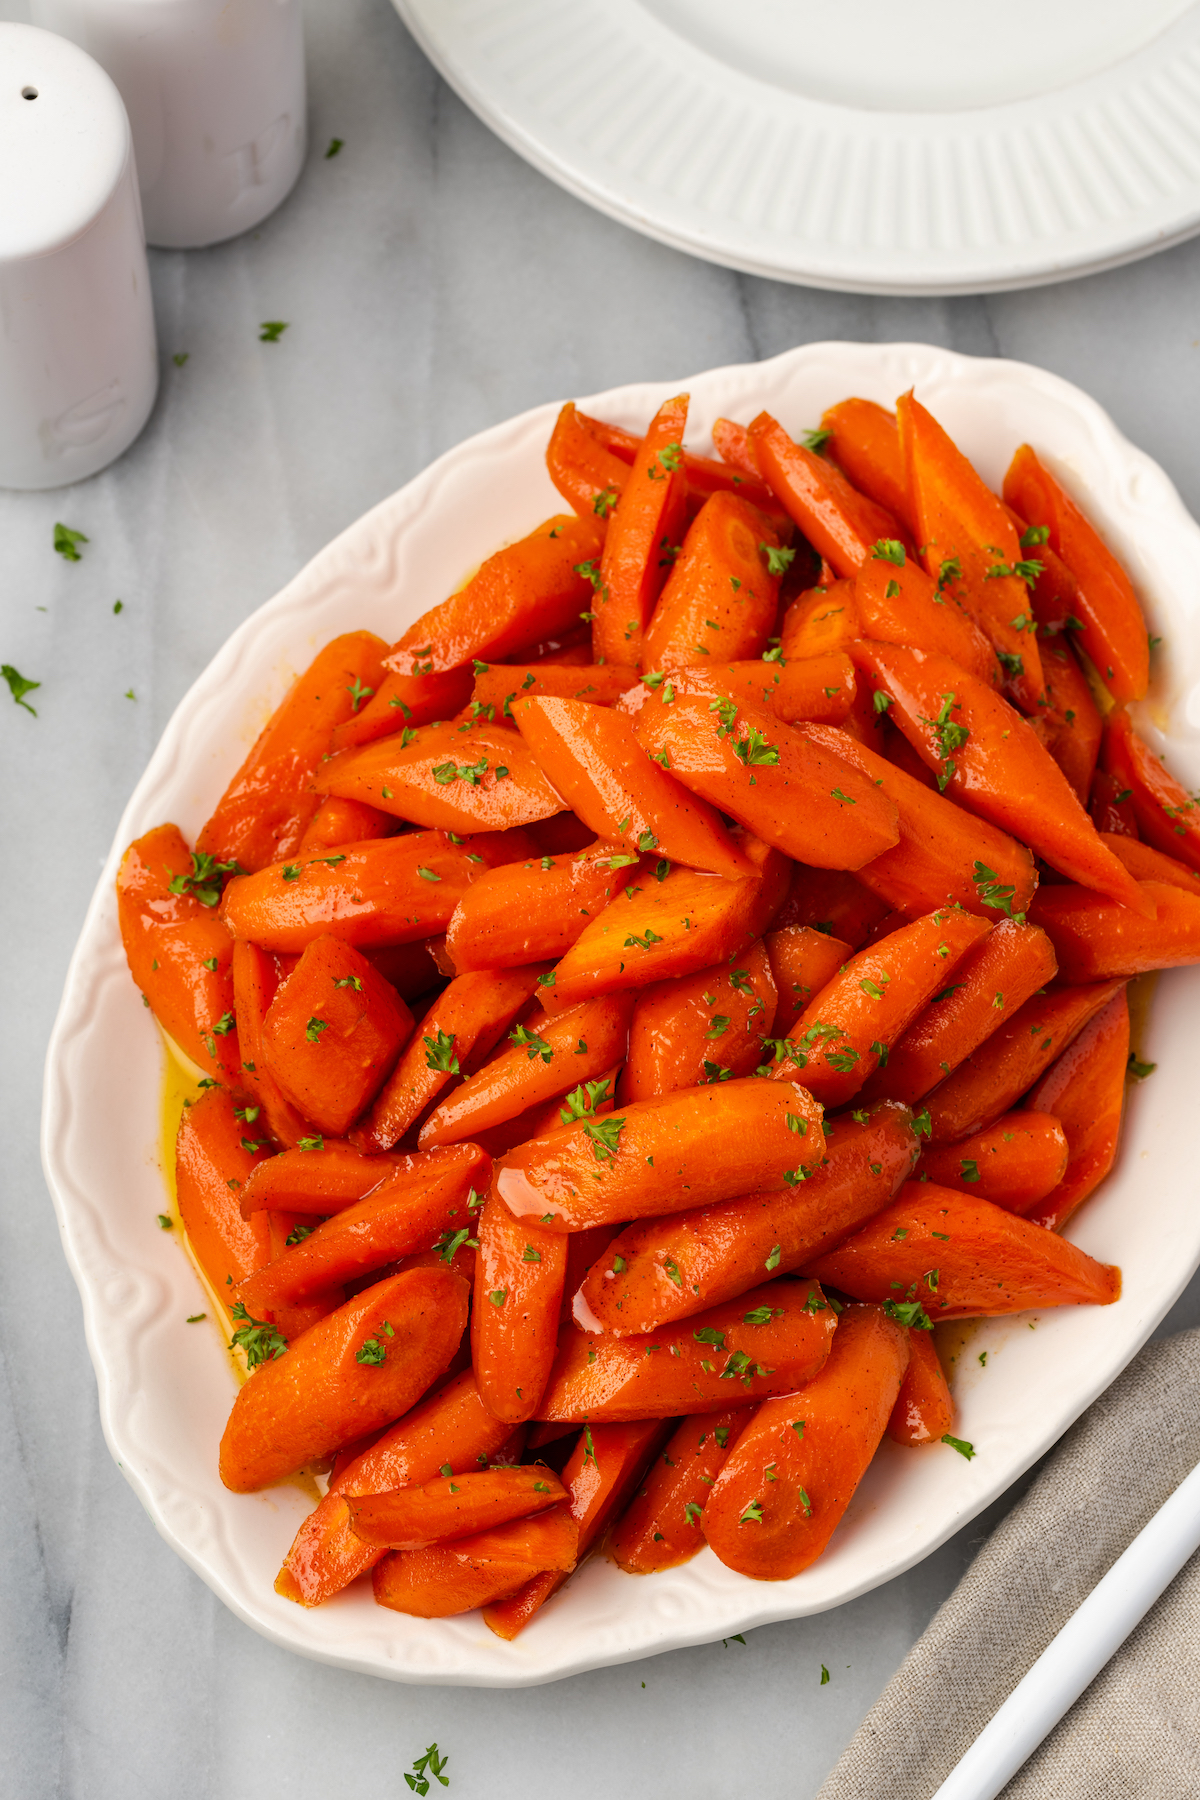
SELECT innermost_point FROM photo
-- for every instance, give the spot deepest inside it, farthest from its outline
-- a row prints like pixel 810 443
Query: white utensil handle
pixel 1083 1646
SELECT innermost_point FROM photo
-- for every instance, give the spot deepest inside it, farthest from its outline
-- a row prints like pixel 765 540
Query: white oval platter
pixel 933 148
pixel 166 1388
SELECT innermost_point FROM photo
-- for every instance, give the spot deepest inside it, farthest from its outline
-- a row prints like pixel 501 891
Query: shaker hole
pixel 29 93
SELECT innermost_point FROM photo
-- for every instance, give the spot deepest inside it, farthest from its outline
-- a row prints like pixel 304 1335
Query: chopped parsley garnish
pixel 778 561
pixel 311 1143
pixel 425 1766
pixel 909 1313
pixel 205 881
pixel 992 893
pixel 889 550
pixel 65 541
pixel 604 1134
pixel 582 1101
pixel 950 737
pixel 18 687
pixel 531 1043
pixel 314 1028
pixel 754 751
pixel 959 1444
pixel 260 1341
pixel 272 330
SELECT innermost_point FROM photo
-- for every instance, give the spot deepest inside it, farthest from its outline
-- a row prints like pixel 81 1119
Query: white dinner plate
pixel 940 147
pixel 166 1387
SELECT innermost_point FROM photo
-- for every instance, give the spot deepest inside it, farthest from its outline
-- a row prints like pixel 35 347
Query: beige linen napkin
pixel 1136 1731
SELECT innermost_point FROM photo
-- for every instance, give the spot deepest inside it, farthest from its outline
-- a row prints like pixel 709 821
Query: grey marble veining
pixel 434 285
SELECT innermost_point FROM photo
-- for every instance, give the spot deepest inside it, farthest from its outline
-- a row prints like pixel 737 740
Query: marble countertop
pixel 434 284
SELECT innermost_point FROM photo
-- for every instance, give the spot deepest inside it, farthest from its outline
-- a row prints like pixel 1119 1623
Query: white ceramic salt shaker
pixel 215 95
pixel 78 365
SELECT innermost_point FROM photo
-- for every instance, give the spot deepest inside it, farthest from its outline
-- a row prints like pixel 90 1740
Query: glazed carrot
pixel 255 981
pixel 803 961
pixel 178 949
pixel 848 1028
pixel 661 1525
pixel 422 1199
pixel 1069 725
pixel 587 475
pixel 819 687
pixel 959 1258
pixel 791 1475
pixel 705 477
pixel 664 1155
pixel 405 699
pixel 720 598
pixel 332 1034
pixel 735 446
pixel 1009 1061
pixel 263 813
pixel 450 1428
pixel 701 1027
pixel 497 685
pixel 831 901
pixel 1167 815
pixel 408 1518
pixel 605 1466
pixel 822 622
pixel 545 1059
pixel 991 982
pixel 1110 803
pixel 900 604
pixel 519 1276
pixel 442 1580
pixel 1016 1161
pixel 671 927
pixel 592 758
pixel 350 1373
pixel 769 1340
pixel 1147 864
pixel 642 539
pixel 215 1156
pixel 840 523
pixel 465 1021
pixel 530 912
pixel 970 543
pixel 776 782
pixel 531 590
pixel 865 442
pixel 366 895
pixel 322 1179
pixel 990 760
pixel 1095 939
pixel 692 1260
pixel 338 822
pixel 1085 1089
pixel 449 777
pixel 1114 630
pixel 924 1411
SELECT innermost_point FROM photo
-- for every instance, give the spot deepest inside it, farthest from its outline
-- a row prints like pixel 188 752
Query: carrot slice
pixel 960 1258
pixel 1069 724
pixel 450 777
pixel 1086 1091
pixel 178 949
pixel 338 822
pixel 519 1276
pixel 1167 815
pixel 803 961
pixel 422 1199
pixel 924 1411
pixel 735 446
pixel 348 1374
pixel 530 912
pixel 465 1021
pixel 900 604
pixel 776 782
pixel 971 544
pixel 831 901
pixel 586 473
pixel 255 983
pixel 705 477
pixel 547 1057
pixel 664 1155
pixel 769 1340
pixel 531 590
pixel 840 523
pixel 661 1525
pixel 443 1580
pixel 849 1027
pixel 1113 629
pixel 605 1466
pixel 215 1157
pixel 702 1027
pixel 332 1033
pixel 990 1080
pixel 451 1428
pixel 721 596
pixel 1014 1163
pixel 643 537
pixel 497 685
pixel 1110 803
pixel 671 927
pixel 1147 864
pixel 991 982
pixel 819 687
pixel 389 891
pixel 263 813
pixel 1095 939
pixel 403 700
pixel 990 759
pixel 320 1178
pixel 453 1507
pixel 661 1270
pixel 793 1471
pixel 864 441
pixel 822 622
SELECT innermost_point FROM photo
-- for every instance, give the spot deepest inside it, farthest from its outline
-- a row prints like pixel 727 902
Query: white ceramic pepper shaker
pixel 215 95
pixel 78 365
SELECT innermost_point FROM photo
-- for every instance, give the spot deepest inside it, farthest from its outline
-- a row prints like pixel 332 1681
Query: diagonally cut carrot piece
pixel 720 598
pixel 661 1526
pixel 701 1027
pixel 519 1275
pixel 924 1411
pixel 1167 815
pixel 1096 940
pixel 1085 1090
pixel 452 777
pixel 643 537
pixel 453 1507
pixel 865 442
pixel 533 911
pixel 840 523
pixel 1014 1162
